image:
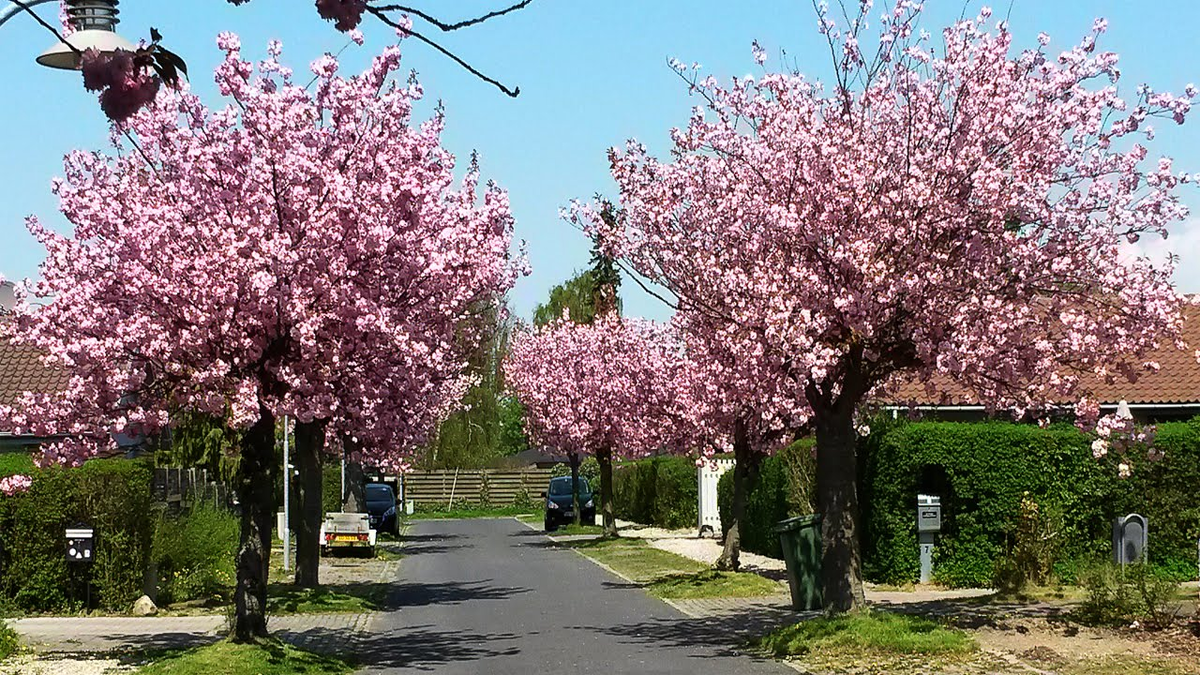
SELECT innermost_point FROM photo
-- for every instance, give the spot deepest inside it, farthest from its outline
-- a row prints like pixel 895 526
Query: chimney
pixel 8 300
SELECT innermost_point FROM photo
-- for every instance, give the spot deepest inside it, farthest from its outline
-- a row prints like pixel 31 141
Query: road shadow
pixel 431 548
pixel 409 594
pixel 417 538
pixel 420 647
pixel 702 637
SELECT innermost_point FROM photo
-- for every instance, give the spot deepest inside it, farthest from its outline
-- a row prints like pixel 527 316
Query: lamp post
pixel 95 23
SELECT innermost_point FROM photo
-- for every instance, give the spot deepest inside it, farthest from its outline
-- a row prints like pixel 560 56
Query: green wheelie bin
pixel 800 538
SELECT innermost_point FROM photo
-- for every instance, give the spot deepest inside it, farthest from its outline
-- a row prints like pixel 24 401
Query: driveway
pixel 495 597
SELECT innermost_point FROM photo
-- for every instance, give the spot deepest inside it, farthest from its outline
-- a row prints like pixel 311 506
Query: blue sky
pixel 592 74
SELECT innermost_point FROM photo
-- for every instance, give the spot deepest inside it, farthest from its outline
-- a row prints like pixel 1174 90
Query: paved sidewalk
pixel 328 633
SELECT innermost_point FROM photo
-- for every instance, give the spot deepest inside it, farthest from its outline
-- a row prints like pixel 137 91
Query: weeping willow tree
pixel 476 435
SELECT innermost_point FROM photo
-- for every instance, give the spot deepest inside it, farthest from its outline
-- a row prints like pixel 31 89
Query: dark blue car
pixel 381 508
pixel 560 505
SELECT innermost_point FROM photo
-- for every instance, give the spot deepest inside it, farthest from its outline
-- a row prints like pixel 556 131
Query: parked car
pixel 381 507
pixel 560 506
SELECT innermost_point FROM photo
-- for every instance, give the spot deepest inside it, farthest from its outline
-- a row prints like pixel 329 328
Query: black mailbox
pixel 81 544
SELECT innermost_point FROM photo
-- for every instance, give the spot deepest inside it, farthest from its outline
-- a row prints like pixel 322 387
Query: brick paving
pixel 327 633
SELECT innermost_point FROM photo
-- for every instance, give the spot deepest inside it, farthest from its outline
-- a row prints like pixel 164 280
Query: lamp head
pixel 95 23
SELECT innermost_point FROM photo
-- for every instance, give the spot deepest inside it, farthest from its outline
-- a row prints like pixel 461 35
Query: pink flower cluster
pixel 610 385
pixel 957 209
pixel 125 87
pixel 302 251
pixel 14 485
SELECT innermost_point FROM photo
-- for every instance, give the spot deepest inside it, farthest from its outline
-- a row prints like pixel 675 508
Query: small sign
pixel 81 544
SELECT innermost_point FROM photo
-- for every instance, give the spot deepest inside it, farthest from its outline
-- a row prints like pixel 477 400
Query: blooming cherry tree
pixel 302 251
pixel 954 208
pixel 608 388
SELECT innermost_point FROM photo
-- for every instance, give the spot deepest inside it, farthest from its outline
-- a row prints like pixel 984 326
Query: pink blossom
pixel 124 86
pixel 346 14
pixel 14 485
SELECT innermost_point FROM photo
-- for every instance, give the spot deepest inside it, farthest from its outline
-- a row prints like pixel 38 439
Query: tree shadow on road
pixel 423 647
pixel 410 594
pixel 703 637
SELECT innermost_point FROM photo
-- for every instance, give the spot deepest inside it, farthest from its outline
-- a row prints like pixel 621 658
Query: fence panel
pixel 503 487
pixel 708 475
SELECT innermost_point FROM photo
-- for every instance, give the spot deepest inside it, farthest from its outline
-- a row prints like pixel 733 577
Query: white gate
pixel 707 475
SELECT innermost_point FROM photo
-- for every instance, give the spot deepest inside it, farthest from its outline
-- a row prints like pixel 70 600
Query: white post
pixel 287 502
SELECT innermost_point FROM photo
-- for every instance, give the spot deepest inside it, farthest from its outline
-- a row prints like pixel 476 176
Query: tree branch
pixel 446 27
pixel 47 26
pixel 379 13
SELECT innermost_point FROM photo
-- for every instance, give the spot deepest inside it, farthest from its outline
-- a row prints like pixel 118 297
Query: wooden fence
pixel 501 488
pixel 180 488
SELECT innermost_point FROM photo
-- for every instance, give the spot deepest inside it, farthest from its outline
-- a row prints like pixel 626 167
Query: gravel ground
pixel 29 664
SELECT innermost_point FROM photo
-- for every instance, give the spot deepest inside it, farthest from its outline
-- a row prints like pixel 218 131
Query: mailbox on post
pixel 1129 539
pixel 929 523
pixel 81 542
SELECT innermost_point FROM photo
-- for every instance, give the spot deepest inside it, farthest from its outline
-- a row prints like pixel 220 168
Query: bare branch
pixel 446 27
pixel 47 26
pixel 379 13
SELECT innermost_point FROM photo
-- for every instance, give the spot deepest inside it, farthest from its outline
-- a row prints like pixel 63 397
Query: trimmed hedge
pixel 783 490
pixel 194 553
pixel 982 470
pixel 113 496
pixel 660 491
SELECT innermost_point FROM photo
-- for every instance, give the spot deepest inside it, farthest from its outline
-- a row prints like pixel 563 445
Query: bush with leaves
pixel 194 554
pixel 10 642
pixel 1121 595
pixel 1031 547
pixel 113 497
pixel 785 488
pixel 659 491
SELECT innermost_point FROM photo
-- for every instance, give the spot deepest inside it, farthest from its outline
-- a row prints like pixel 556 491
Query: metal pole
pixel 13 10
pixel 287 502
pixel 342 505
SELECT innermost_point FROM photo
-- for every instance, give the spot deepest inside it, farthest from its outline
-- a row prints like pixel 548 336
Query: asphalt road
pixel 495 597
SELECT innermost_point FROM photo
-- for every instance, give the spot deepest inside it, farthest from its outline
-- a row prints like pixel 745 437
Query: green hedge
pixel 113 496
pixel 660 491
pixel 194 553
pixel 13 463
pixel 783 490
pixel 982 470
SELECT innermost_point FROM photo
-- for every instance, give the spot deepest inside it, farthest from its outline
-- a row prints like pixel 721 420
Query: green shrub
pixel 1121 595
pixel 9 641
pixel 785 488
pixel 194 553
pixel 982 472
pixel 14 463
pixel 1031 548
pixel 659 491
pixel 112 496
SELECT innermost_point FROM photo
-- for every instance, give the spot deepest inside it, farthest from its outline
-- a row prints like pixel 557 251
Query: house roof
pixel 21 370
pixel 1176 382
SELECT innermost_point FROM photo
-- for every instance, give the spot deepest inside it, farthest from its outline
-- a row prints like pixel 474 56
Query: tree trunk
pixel 837 502
pixel 356 484
pixel 575 485
pixel 256 494
pixel 310 441
pixel 745 477
pixel 607 505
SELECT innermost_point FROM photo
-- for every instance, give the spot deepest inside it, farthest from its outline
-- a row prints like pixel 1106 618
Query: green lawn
pixel 868 635
pixel 572 530
pixel 713 584
pixel 635 559
pixel 227 658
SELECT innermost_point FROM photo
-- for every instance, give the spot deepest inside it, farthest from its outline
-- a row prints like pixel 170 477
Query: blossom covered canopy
pixel 302 251
pixel 955 208
pixel 613 384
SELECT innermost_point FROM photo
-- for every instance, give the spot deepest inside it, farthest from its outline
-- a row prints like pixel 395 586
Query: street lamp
pixel 95 23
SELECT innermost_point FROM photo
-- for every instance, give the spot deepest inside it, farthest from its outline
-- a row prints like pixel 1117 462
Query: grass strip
pixel 712 584
pixel 457 514
pixel 265 658
pixel 867 634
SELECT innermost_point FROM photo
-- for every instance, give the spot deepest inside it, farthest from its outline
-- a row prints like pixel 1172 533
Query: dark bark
pixel 837 502
pixel 310 442
pixel 745 477
pixel 256 495
pixel 355 500
pixel 575 485
pixel 605 460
